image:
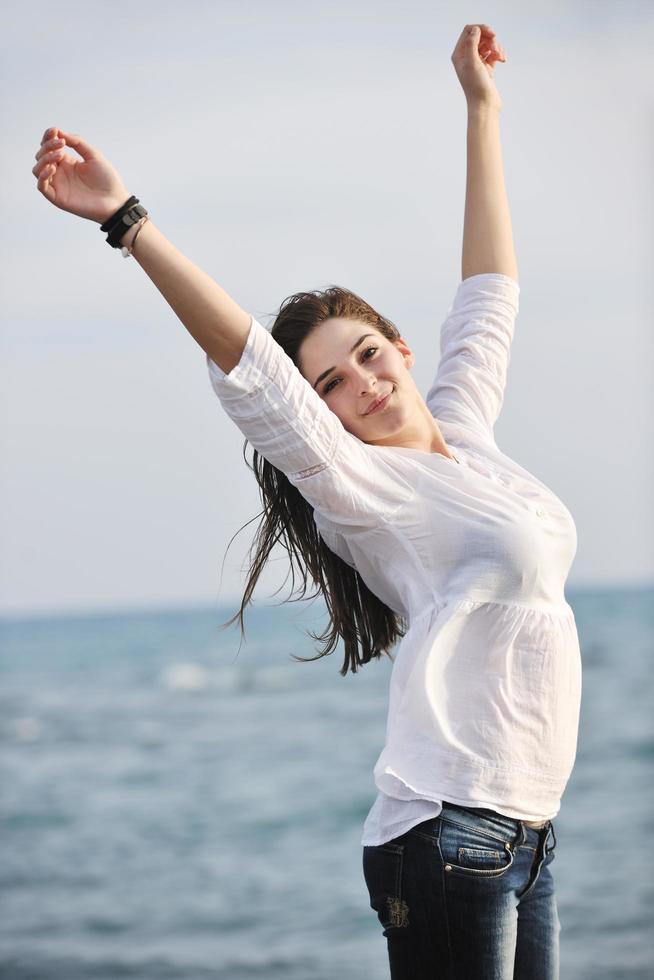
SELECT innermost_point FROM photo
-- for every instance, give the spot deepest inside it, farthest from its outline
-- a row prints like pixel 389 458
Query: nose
pixel 367 383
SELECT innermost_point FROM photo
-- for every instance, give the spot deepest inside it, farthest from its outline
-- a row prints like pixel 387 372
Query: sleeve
pixel 290 425
pixel 475 351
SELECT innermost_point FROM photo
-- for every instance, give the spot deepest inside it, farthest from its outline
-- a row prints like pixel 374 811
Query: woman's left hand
pixel 474 58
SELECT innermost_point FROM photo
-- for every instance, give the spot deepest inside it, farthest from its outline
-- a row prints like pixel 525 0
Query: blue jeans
pixel 467 895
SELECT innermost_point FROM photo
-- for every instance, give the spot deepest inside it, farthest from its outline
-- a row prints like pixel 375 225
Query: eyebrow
pixel 352 349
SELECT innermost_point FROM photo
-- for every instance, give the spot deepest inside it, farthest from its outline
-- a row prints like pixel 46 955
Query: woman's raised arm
pixel 92 188
pixel 487 233
pixel 211 316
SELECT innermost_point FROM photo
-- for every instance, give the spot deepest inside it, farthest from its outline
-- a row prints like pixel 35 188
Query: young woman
pixel 413 523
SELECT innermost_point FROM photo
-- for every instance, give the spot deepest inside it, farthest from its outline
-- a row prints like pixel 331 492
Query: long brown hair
pixel 367 626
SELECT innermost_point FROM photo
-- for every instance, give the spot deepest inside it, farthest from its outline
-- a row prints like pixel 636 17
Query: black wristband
pixel 119 213
pixel 130 217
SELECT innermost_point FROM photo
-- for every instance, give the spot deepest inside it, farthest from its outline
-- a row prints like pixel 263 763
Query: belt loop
pixel 523 834
pixel 551 827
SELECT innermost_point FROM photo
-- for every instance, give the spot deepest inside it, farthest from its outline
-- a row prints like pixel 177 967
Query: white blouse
pixel 485 688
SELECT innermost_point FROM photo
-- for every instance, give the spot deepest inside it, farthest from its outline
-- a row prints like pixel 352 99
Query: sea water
pixel 172 806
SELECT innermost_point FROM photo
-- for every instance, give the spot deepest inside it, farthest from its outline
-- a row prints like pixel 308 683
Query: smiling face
pixel 352 365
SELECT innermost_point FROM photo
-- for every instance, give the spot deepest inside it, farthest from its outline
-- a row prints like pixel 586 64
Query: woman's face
pixel 351 366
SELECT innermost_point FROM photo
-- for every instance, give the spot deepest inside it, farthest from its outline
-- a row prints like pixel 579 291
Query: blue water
pixel 170 809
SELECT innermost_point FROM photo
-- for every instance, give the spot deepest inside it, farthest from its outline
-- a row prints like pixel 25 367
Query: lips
pixel 378 404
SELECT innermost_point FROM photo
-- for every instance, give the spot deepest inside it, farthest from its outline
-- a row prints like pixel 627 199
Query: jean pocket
pixel 471 853
pixel 382 870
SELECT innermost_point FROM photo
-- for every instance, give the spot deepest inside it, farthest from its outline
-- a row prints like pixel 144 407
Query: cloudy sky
pixel 286 146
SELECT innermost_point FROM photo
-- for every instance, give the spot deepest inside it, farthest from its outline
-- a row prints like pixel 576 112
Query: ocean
pixel 172 806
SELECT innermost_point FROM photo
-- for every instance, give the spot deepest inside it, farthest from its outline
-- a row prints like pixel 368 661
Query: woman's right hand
pixel 474 59
pixel 90 187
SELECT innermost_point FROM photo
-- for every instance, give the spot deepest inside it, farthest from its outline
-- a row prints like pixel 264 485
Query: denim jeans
pixel 467 895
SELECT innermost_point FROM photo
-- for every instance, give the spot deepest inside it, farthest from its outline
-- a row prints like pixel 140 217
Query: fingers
pixel 489 55
pixel 53 152
pixel 44 177
pixel 49 146
pixel 484 30
pixel 54 138
pixel 483 38
pixel 46 158
pixel 85 150
pixel 44 181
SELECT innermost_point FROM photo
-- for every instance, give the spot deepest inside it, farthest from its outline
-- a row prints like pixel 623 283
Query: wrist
pixel 130 234
pixel 483 107
pixel 112 207
pixel 120 223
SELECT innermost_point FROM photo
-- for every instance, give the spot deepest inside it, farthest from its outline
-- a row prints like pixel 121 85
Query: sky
pixel 288 146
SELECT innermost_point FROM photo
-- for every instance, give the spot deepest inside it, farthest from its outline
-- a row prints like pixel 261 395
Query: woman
pixel 412 523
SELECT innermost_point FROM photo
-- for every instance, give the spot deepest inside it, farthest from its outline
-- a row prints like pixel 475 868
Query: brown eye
pixel 330 384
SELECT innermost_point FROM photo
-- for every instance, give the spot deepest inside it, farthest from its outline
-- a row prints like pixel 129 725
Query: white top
pixel 485 688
